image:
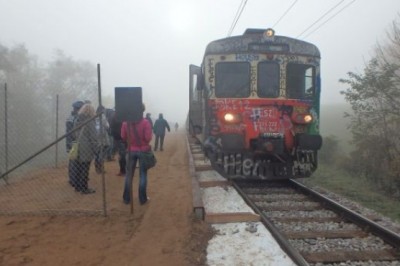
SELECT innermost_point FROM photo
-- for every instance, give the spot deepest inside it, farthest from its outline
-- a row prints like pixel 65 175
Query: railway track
pixel 315 230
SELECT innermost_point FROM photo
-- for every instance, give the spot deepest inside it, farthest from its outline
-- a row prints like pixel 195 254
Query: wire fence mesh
pixel 34 166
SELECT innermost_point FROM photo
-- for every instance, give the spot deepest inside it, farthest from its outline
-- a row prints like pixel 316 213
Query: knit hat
pixel 77 105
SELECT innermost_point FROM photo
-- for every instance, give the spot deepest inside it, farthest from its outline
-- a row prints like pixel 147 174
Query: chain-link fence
pixel 36 175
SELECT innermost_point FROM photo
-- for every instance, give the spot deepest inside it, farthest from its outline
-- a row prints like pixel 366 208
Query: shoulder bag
pixel 147 159
pixel 74 152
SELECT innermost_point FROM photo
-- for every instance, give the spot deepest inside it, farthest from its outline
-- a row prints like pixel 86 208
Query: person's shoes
pixel 161 149
pixel 88 191
pixel 148 199
pixel 121 174
pixel 71 183
pixel 126 202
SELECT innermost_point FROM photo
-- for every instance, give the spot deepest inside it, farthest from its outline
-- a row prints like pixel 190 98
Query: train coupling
pixel 272 143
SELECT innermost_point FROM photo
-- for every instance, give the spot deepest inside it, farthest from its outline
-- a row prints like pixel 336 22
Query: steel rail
pixel 370 226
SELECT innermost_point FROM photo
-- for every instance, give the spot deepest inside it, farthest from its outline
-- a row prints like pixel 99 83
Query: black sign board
pixel 128 104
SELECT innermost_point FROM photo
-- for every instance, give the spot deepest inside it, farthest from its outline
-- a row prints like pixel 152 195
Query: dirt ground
pixel 161 232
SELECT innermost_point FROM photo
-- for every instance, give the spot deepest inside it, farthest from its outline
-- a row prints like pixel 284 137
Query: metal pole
pixel 103 179
pixel 57 106
pixel 6 131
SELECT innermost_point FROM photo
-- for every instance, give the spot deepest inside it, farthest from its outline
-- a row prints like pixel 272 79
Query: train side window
pixel 300 81
pixel 194 86
pixel 268 79
pixel 232 79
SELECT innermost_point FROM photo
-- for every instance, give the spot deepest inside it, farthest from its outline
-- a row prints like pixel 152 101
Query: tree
pixel 375 122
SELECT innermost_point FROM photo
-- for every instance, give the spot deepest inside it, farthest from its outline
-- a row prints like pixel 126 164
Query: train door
pixel 195 101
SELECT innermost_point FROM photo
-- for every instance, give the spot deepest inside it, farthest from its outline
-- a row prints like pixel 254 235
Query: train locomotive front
pixel 254 105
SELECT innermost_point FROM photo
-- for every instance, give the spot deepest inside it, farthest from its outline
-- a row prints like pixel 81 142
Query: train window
pixel 194 86
pixel 300 81
pixel 232 79
pixel 268 79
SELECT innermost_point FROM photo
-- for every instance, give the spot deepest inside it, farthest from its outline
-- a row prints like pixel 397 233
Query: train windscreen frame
pixel 300 81
pixel 232 79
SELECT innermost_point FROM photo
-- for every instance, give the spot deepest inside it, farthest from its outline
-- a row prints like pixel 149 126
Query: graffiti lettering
pixel 247 57
pixel 211 70
pixel 253 81
pixel 258 113
pixel 230 104
pixel 267 126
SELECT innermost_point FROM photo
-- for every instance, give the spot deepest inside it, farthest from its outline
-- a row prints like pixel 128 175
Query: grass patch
pixel 357 189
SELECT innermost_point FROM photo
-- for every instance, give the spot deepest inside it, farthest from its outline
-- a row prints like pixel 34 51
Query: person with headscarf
pixel 87 138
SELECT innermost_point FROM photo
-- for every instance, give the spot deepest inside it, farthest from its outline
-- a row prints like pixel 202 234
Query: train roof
pixel 255 40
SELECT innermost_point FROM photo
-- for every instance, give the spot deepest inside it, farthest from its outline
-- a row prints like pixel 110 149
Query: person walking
pixel 148 117
pixel 138 136
pixel 159 130
pixel 176 126
pixel 88 145
pixel 70 138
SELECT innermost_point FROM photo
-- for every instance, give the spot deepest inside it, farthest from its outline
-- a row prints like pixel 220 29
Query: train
pixel 254 105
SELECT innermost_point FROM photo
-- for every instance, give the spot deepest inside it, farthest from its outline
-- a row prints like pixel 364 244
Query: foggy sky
pixel 151 43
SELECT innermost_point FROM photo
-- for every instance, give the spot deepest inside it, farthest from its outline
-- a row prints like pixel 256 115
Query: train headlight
pixel 232 118
pixel 308 119
pixel 303 118
pixel 269 33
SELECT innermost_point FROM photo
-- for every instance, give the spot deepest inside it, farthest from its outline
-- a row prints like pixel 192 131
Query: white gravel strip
pixel 236 244
pixel 223 200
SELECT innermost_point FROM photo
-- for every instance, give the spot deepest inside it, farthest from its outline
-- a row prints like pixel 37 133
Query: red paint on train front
pixel 254 117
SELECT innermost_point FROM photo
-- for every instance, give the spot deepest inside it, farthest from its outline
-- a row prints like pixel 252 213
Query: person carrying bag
pixel 138 136
pixel 74 152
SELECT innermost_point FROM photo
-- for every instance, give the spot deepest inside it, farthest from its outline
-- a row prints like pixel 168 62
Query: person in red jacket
pixel 138 136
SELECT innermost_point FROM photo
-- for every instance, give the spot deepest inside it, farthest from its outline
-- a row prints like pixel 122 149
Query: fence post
pixel 6 132
pixel 101 144
pixel 57 108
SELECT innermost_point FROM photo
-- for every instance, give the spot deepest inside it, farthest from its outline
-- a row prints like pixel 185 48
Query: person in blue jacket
pixel 159 130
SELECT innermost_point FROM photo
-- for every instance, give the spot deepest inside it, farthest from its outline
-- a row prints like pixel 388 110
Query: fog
pixel 151 43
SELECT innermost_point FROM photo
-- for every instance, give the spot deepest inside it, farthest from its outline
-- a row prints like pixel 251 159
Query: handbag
pixel 147 158
pixel 74 152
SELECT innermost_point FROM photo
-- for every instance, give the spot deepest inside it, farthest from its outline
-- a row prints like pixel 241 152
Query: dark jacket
pixel 69 125
pixel 160 125
pixel 115 128
pixel 150 120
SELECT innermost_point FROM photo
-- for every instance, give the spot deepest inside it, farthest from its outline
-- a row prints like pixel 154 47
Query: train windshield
pixel 232 79
pixel 268 79
pixel 300 81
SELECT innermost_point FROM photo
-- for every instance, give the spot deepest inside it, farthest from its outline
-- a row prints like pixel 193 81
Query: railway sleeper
pixel 325 234
pixel 353 255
